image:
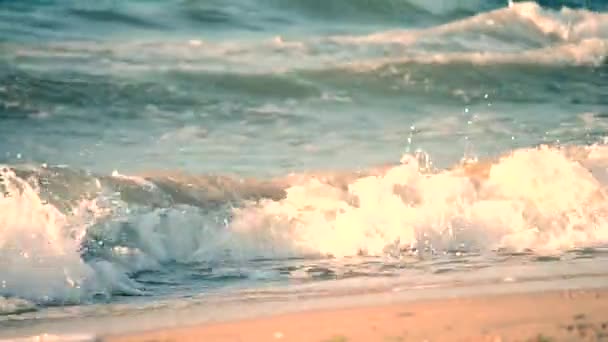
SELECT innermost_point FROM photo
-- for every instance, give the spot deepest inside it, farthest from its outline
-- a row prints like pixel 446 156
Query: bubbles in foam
pixel 38 262
pixel 545 199
pixel 525 33
pixel 533 198
pixel 40 247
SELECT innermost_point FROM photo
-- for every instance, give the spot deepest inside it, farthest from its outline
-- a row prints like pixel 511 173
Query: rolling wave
pixel 523 34
pixel 68 236
pixel 490 48
pixel 72 236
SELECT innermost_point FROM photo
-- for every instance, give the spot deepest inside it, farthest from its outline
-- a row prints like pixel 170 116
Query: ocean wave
pixel 69 237
pixel 525 34
pixel 253 15
pixel 543 199
pixel 522 34
pixel 41 247
pixel 411 12
pixel 590 52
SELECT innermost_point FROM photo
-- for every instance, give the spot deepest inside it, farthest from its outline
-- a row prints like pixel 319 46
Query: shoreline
pixel 555 315
pixel 177 321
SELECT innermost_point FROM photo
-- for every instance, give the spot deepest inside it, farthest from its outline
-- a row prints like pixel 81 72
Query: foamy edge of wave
pixel 589 52
pixel 523 34
pixel 546 199
pixel 508 203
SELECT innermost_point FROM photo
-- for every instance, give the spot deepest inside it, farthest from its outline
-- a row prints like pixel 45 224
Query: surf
pixel 545 199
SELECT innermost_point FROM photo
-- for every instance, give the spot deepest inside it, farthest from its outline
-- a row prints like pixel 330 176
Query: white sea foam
pixel 540 199
pixel 523 20
pixel 40 257
pixel 522 34
pixel 546 199
pixel 525 33
pixel 38 261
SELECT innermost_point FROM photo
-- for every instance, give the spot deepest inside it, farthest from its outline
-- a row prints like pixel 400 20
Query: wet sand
pixel 565 315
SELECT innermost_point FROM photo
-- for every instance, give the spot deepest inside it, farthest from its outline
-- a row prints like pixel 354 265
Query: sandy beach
pixel 567 315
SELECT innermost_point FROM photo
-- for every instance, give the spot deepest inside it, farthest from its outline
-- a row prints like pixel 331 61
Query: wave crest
pixel 545 199
pixel 534 198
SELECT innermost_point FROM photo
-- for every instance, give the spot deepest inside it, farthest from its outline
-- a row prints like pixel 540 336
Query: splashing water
pixel 167 153
pixel 549 200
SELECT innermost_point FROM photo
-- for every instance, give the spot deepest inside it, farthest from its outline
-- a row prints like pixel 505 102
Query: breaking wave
pixel 72 236
pixel 525 33
pixel 68 236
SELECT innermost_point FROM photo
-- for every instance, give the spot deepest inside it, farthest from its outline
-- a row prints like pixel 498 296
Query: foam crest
pixel 40 247
pixel 522 20
pixel 38 261
pixel 590 52
pixel 525 33
pixel 533 198
pixel 566 24
pixel 546 199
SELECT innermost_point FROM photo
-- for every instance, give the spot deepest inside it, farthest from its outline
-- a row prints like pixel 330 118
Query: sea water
pixel 187 156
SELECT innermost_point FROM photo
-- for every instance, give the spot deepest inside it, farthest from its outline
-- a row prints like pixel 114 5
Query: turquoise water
pixel 156 152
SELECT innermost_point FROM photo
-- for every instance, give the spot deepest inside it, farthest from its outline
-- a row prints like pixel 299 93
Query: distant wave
pixel 523 34
pixel 65 20
pixel 520 40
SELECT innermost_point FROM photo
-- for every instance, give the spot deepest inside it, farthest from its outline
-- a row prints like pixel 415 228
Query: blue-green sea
pixel 180 161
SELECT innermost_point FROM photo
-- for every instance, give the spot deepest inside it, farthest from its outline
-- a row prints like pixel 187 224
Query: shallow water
pixel 169 154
